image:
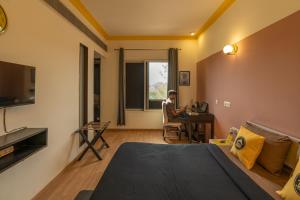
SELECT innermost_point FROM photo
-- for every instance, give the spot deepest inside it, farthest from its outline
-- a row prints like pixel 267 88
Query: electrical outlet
pixel 227 104
pixel 217 101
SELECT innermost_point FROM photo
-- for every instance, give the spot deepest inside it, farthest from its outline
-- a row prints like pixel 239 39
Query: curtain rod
pixel 145 49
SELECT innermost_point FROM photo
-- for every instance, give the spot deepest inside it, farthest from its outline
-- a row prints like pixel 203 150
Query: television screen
pixel 17 84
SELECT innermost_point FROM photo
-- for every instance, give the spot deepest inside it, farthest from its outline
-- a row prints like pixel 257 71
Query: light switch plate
pixel 227 104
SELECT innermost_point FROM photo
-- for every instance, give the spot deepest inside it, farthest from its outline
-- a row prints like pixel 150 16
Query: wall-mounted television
pixel 17 84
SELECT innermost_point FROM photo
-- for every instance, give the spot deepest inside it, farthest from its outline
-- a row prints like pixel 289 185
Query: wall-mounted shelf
pixel 25 142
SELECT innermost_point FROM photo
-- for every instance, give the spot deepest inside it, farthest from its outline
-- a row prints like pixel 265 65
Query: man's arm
pixel 176 113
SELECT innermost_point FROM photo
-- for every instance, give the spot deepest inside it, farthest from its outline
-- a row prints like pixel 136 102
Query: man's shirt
pixel 170 108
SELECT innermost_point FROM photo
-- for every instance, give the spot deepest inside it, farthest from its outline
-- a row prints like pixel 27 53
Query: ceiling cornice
pixel 60 8
pixel 215 16
pixel 149 37
pixel 91 19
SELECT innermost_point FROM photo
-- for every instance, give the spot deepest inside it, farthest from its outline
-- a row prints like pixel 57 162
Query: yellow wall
pixel 242 19
pixel 37 35
pixel 144 119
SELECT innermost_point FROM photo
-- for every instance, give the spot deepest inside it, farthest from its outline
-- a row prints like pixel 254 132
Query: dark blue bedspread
pixel 140 171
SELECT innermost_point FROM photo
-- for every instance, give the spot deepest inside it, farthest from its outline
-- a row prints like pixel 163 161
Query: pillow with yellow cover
pixel 291 190
pixel 247 147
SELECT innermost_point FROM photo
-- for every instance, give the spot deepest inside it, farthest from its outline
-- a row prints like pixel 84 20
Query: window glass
pixel 158 80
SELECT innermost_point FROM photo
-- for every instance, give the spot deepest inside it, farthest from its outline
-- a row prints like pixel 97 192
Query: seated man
pixel 178 115
pixel 173 114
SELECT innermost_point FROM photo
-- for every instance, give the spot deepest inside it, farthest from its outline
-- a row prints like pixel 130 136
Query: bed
pixel 187 172
pixel 175 172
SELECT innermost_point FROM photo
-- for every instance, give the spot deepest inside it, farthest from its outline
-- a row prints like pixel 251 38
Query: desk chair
pixel 170 126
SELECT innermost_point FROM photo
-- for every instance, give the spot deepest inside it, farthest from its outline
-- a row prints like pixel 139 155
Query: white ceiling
pixel 151 17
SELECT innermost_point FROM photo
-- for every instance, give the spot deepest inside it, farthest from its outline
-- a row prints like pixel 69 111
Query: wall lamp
pixel 230 49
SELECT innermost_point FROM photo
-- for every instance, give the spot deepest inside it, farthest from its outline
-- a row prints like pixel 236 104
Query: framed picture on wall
pixel 184 78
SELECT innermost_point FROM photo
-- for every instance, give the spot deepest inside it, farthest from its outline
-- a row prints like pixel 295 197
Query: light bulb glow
pixel 230 49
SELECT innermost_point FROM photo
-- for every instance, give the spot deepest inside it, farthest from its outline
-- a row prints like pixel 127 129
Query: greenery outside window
pixel 157 83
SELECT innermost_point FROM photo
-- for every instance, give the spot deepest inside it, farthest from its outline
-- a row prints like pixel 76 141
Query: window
pixel 157 85
pixel 146 90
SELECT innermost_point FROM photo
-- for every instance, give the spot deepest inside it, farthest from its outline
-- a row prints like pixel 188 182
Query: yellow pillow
pixel 291 190
pixel 247 147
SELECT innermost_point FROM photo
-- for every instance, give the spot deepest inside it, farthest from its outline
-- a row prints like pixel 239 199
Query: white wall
pixel 242 19
pixel 144 119
pixel 37 35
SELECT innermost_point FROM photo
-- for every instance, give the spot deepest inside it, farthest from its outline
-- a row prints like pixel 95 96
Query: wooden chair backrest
pixel 164 110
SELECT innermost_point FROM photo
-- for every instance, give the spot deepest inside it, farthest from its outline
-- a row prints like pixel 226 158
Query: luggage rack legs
pixel 99 129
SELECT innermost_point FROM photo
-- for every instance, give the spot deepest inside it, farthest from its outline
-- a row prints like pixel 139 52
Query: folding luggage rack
pixel 98 128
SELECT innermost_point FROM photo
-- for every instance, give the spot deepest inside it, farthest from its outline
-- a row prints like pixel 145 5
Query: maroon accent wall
pixel 262 81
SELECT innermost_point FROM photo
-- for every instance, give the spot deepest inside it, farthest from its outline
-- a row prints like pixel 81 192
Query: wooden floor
pixel 85 174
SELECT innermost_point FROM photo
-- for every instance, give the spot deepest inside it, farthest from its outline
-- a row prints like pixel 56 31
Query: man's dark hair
pixel 171 92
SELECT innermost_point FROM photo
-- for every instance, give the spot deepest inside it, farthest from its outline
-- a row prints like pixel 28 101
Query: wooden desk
pixel 201 118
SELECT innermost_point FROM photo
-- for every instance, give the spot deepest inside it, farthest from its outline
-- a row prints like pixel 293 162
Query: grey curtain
pixel 121 103
pixel 173 72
